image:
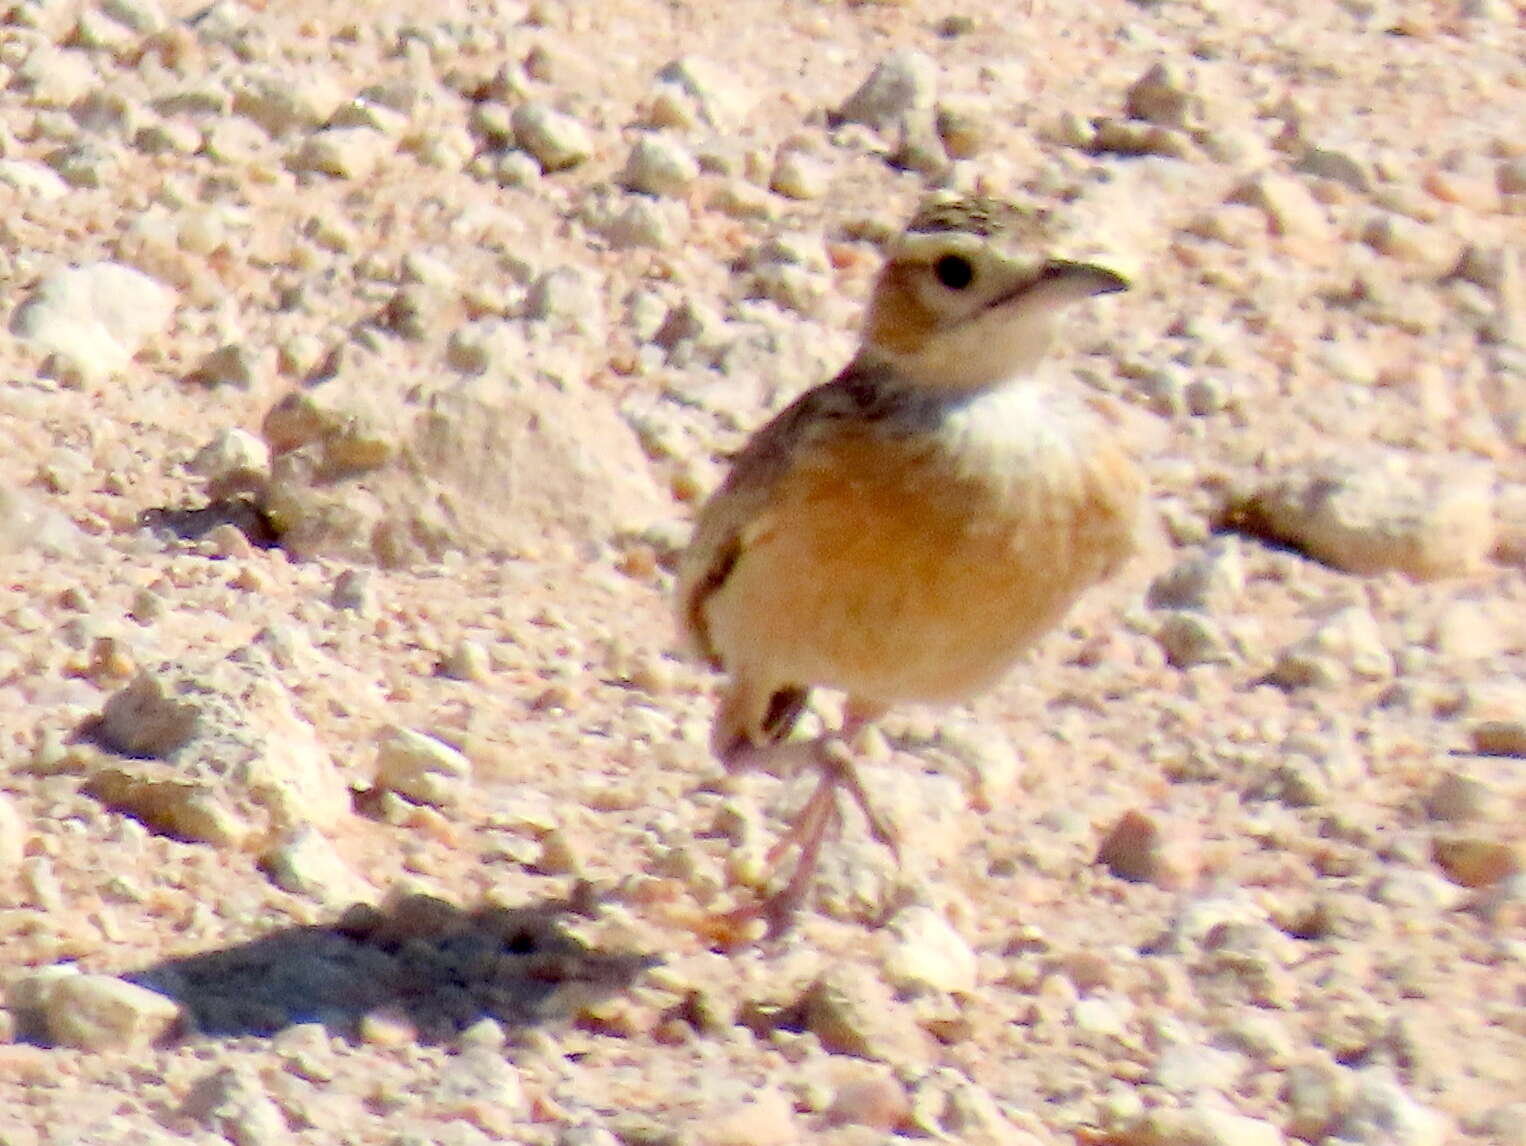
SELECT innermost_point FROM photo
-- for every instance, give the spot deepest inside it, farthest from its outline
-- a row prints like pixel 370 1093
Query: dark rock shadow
pixel 192 523
pixel 420 960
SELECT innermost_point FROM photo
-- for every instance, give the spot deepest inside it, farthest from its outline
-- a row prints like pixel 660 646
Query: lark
pixel 906 531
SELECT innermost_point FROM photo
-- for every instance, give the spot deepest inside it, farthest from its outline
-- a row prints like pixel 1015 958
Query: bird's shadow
pixel 421 965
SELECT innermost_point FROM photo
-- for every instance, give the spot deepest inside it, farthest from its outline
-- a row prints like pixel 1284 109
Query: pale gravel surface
pixel 1236 858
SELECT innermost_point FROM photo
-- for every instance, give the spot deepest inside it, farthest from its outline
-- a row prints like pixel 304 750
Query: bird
pixel 904 533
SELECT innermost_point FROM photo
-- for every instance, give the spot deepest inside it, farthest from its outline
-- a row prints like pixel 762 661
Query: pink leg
pixel 816 820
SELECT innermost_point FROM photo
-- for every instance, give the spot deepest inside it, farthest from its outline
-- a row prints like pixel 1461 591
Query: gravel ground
pixel 365 366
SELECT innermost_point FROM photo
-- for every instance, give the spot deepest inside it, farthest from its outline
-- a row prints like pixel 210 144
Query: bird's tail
pixel 748 719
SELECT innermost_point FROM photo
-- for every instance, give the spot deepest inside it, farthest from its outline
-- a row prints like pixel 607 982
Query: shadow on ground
pixel 420 960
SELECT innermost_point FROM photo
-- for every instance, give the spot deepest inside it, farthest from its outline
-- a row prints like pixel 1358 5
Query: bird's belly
pixel 919 582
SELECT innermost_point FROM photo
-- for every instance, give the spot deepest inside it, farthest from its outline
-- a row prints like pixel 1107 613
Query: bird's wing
pixel 738 515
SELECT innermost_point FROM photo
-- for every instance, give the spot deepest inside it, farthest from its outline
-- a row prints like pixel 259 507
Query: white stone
pixel 34 179
pixel 1378 512
pixel 304 862
pixel 100 1012
pixel 233 1103
pixel 928 953
pixel 1288 205
pixel 422 768
pixel 12 836
pixel 343 152
pixel 145 17
pixel 283 102
pixel 568 295
pixel 232 455
pixel 1344 646
pixel 902 82
pixel 1381 1113
pixel 213 750
pixel 659 165
pixel 798 175
pixel 556 140
pixel 95 317
pixel 722 102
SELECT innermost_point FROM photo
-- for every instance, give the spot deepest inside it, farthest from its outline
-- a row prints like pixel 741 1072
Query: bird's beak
pixel 1059 282
pixel 1079 280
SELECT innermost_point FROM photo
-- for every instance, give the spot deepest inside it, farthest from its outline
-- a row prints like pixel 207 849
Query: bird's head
pixel 967 297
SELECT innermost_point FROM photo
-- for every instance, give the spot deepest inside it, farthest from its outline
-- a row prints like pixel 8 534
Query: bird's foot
pixel 817 820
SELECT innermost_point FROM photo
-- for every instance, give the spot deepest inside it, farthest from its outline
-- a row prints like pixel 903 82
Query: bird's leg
pixel 835 756
pixel 832 756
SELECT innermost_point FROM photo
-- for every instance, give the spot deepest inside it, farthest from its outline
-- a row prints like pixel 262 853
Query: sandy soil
pixel 351 787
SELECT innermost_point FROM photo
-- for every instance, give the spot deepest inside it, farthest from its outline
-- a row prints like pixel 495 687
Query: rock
pixel 659 165
pixel 981 757
pixel 233 1102
pixel 1135 138
pixel 1460 799
pixel 877 1101
pixel 1188 638
pixel 467 660
pixel 1506 1122
pixel 1500 738
pixel 29 523
pixel 145 17
pixel 1317 1092
pixel 1137 850
pixel 964 129
pixel 902 82
pixel 283 102
pixel 1163 95
pixel 1511 176
pixel 1380 1113
pixel 233 364
pixel 140 720
pixel 1187 1068
pixel 1409 241
pixel 32 179
pixel 304 862
pixel 12 837
pixel 920 148
pixel 1290 208
pixel 100 1012
pixel 482 1086
pixel 556 140
pixel 721 101
pixel 343 152
pixel 232 461
pixel 54 77
pixel 1414 891
pixel 354 591
pixel 797 175
pixel 1337 165
pixel 765 1118
pixel 220 754
pixel 927 953
pixel 855 1014
pixel 1348 645
pixel 422 768
pixel 640 223
pixel 1474 862
pixel 94 318
pixel 945 1103
pixel 566 295
pixel 87 163
pixel 1204 1125
pixel 1382 513
pixel 504 459
pixel 1213 576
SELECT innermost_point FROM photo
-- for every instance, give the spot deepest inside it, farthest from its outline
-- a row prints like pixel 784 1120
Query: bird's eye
pixel 954 272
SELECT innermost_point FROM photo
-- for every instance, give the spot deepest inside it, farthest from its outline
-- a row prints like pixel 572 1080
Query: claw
pixel 818 818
